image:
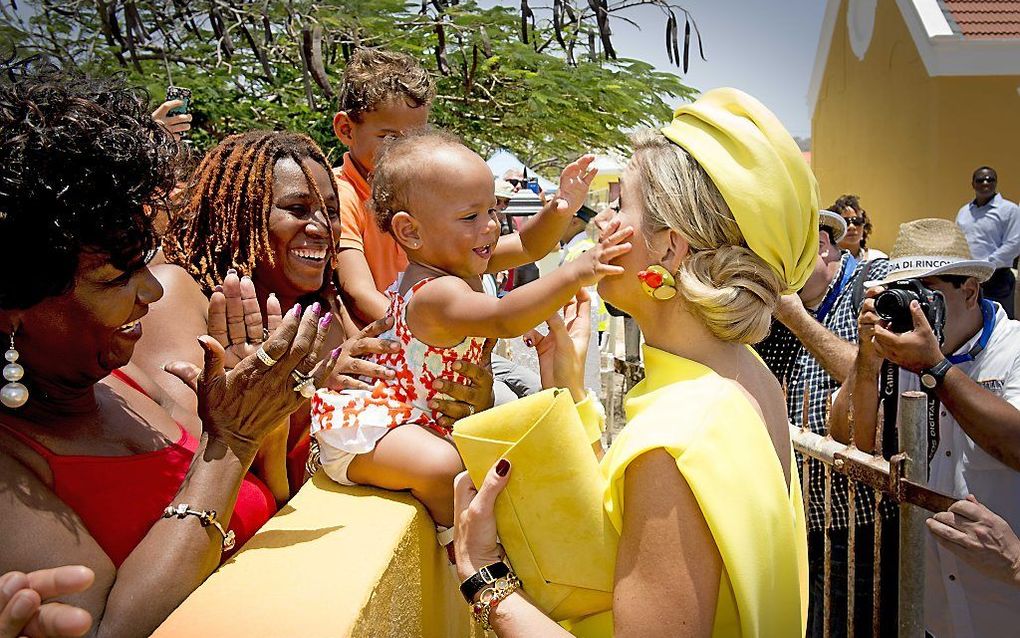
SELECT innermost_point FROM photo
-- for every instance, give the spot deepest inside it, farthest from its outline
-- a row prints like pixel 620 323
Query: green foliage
pixel 546 100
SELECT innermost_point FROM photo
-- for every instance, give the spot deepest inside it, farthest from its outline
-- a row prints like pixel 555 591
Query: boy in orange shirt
pixel 386 94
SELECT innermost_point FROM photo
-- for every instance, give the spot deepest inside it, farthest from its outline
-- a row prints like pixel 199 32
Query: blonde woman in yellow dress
pixel 700 484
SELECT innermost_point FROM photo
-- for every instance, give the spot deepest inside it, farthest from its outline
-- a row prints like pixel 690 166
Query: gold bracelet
pixel 492 596
pixel 206 517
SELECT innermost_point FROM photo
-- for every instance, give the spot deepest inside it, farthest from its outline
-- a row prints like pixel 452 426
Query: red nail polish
pixel 502 467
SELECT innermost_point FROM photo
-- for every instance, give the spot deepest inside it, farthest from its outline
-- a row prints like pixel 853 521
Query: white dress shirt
pixel 959 601
pixel 992 230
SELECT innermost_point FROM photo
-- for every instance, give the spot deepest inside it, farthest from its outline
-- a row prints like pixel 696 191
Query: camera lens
pixel 893 304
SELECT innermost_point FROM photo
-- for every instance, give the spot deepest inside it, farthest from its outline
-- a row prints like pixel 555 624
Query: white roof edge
pixel 932 18
pixel 822 55
pixel 943 52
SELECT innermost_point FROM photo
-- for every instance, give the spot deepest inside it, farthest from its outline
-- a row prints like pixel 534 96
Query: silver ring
pixel 305 384
pixel 265 358
pixel 306 388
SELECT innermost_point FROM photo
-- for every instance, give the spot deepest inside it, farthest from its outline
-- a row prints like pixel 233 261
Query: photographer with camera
pixel 926 326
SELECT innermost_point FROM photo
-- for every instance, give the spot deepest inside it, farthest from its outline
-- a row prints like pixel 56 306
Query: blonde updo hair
pixel 730 288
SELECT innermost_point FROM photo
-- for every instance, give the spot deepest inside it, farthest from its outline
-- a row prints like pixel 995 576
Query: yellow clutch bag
pixel 550 517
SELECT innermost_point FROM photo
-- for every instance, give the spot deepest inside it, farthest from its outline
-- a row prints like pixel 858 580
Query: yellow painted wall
pixel 335 562
pixel 905 142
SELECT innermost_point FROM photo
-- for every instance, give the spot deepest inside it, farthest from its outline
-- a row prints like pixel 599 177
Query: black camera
pixel 893 305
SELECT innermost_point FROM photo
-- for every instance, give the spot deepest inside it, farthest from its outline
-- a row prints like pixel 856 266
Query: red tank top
pixel 119 498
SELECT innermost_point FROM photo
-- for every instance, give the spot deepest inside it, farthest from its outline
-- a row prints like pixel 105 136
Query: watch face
pixel 928 381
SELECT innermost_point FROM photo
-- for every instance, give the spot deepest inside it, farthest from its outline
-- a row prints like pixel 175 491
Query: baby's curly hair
pixel 399 167
pixel 83 166
pixel 374 76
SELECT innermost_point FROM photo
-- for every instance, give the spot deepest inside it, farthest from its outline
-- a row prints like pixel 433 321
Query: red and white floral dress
pixel 353 421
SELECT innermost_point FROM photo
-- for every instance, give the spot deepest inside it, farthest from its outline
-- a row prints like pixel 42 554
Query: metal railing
pixel 900 479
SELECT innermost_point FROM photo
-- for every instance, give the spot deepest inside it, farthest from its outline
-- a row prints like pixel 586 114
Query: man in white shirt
pixel 973 385
pixel 992 226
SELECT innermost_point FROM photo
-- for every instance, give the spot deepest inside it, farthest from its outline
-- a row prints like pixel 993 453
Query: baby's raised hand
pixel 594 264
pixel 574 183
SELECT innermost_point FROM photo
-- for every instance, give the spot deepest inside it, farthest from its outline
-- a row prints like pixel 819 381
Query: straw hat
pixel 932 247
pixel 834 222
pixel 504 189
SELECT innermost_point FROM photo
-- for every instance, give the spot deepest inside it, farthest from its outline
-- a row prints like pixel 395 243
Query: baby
pixel 436 197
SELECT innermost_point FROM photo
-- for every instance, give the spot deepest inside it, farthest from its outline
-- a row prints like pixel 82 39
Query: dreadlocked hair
pixel 221 221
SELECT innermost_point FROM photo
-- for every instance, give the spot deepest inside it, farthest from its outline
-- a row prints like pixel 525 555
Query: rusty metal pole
pixel 851 558
pixel 631 349
pixel 913 437
pixel 827 555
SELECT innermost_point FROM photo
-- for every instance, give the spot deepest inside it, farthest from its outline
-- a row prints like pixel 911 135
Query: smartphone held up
pixel 178 93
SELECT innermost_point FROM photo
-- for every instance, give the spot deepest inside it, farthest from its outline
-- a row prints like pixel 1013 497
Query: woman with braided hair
pixel 260 215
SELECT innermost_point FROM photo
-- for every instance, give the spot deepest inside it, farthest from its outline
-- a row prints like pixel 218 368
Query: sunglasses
pixel 854 221
pixel 523 183
pixel 985 180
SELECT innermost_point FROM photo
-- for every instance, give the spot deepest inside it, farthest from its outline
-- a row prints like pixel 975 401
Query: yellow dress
pixel 725 454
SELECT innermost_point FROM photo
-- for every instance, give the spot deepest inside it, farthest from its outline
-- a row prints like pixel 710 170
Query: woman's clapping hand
pixel 26 608
pixel 241 406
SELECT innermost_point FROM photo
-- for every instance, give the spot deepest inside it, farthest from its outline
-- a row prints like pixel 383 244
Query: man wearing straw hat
pixel 972 381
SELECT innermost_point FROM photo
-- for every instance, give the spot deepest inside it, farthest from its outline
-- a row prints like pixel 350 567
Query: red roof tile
pixel 984 19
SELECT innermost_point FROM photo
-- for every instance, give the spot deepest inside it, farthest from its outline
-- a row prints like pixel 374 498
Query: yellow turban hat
pixel 761 174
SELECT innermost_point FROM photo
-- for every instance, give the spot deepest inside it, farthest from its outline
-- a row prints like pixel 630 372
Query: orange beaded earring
pixel 658 283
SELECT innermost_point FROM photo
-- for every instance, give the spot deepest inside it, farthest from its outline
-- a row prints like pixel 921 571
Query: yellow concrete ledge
pixel 335 562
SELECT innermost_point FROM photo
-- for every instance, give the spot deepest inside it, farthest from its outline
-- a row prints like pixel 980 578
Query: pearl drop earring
pixel 14 394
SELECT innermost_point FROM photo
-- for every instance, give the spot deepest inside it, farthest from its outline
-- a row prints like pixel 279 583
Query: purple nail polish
pixel 336 352
pixel 231 271
pixel 316 308
pixel 326 320
pixel 296 310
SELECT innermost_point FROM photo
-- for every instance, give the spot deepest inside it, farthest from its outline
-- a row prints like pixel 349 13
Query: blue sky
pixel 764 47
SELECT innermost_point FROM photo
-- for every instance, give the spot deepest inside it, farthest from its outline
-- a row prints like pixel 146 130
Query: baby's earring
pixel 658 283
pixel 14 394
